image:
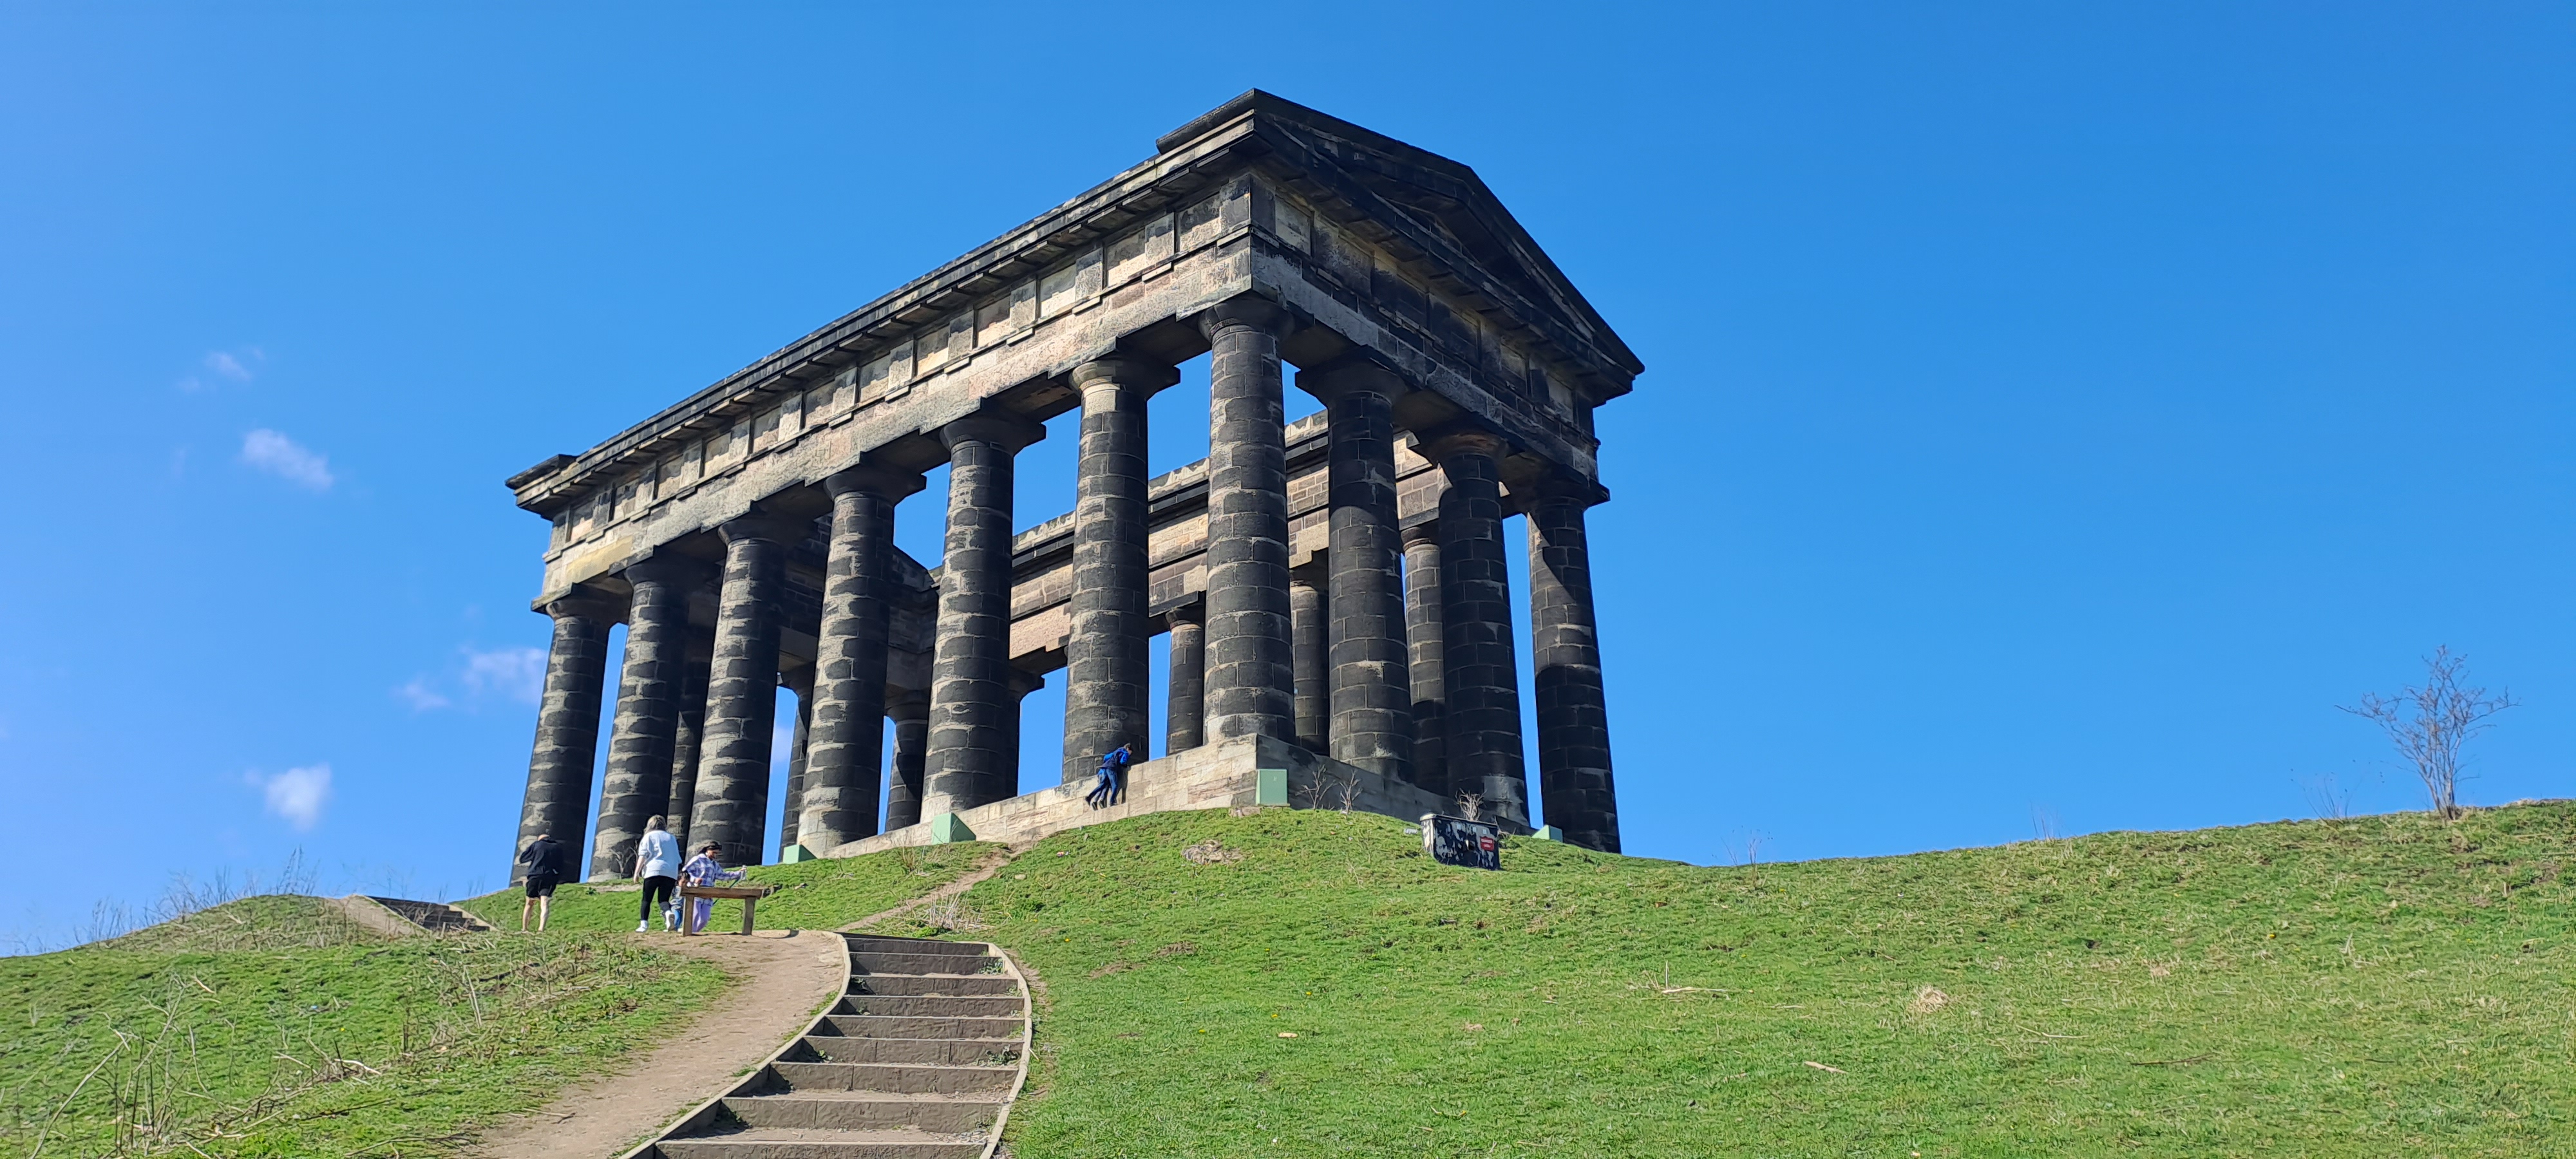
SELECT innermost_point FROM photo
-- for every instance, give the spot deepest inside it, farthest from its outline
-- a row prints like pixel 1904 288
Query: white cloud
pixel 297 794
pixel 420 695
pixel 231 367
pixel 283 457
pixel 518 673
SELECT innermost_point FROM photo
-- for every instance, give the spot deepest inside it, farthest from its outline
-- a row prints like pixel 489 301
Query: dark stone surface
pixel 1482 688
pixel 848 722
pixel 1186 692
pixel 1249 667
pixel 691 725
pixel 790 819
pixel 972 720
pixel 649 687
pixel 731 805
pixel 1565 661
pixel 1307 633
pixel 1107 677
pixel 558 797
pixel 1371 698
pixel 1427 646
pixel 911 715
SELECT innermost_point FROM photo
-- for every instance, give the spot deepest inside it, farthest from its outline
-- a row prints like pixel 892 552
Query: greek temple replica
pixel 1334 592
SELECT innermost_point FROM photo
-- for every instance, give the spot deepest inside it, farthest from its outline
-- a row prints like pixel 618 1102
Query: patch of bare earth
pixel 786 977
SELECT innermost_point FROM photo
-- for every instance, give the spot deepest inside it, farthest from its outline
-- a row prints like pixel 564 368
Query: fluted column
pixel 1371 699
pixel 649 688
pixel 1427 647
pixel 1249 668
pixel 1483 680
pixel 790 820
pixel 847 748
pixel 685 735
pixel 558 797
pixel 911 715
pixel 1565 662
pixel 731 807
pixel 1107 676
pixel 970 745
pixel 1310 675
pixel 1185 695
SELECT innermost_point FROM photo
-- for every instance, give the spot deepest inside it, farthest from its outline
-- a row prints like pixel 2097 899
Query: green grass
pixel 2378 986
pixel 811 894
pixel 175 1038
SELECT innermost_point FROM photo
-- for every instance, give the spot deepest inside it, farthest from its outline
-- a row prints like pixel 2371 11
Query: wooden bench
pixel 750 895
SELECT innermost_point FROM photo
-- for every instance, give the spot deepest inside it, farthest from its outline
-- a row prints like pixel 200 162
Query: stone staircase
pixel 920 1059
pixel 437 917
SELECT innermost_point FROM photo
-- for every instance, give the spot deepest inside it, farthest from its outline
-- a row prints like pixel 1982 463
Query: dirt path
pixel 787 977
pixel 992 864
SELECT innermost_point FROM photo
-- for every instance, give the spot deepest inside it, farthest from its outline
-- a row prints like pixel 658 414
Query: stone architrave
pixel 1185 694
pixel 731 805
pixel 847 746
pixel 1250 675
pixel 1371 698
pixel 1565 661
pixel 1426 645
pixel 558 797
pixel 1482 685
pixel 1107 676
pixel 971 746
pixel 649 689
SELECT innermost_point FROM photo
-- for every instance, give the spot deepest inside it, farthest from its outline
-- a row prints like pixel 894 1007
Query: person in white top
pixel 657 865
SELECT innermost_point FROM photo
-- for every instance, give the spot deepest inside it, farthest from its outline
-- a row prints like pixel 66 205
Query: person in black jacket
pixel 544 859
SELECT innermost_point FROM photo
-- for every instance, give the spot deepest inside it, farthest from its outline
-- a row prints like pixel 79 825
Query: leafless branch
pixel 2431 723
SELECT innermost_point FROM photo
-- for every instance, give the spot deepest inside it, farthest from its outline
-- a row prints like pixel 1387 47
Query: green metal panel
pixel 946 828
pixel 1272 788
pixel 1549 833
pixel 793 854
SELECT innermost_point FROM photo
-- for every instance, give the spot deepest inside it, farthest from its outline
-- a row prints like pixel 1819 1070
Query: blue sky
pixel 2052 412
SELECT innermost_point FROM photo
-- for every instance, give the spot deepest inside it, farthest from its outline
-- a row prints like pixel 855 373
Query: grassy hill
pixel 2381 985
pixel 811 894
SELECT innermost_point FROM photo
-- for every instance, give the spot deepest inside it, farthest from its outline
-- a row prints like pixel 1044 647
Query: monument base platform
pixel 1213 776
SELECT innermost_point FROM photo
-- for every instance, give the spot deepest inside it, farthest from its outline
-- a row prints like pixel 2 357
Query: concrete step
pixel 789 1143
pixel 870 962
pixel 922 1026
pixel 867 1111
pixel 437 917
pixel 900 1079
pixel 908 1051
pixel 869 944
pixel 995 1006
pixel 943 985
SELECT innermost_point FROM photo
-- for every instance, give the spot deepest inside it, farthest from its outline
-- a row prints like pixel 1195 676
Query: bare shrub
pixel 951 914
pixel 1471 806
pixel 2430 723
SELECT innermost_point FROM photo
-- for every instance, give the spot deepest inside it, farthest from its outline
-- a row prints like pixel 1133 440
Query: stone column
pixel 685 736
pixel 848 745
pixel 1371 723
pixel 1249 670
pixel 1427 645
pixel 649 690
pixel 911 716
pixel 790 820
pixel 970 717
pixel 731 806
pixel 558 800
pixel 1565 661
pixel 1184 703
pixel 1483 680
pixel 1311 676
pixel 1106 672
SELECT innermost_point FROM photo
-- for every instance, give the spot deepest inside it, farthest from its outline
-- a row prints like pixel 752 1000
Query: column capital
pixel 787 530
pixel 1547 481
pixel 1351 374
pixel 1456 438
pixel 669 567
pixel 1011 431
pixel 1145 374
pixel 584 601
pixel 882 481
pixel 1248 311
pixel 1425 532
pixel 1024 682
